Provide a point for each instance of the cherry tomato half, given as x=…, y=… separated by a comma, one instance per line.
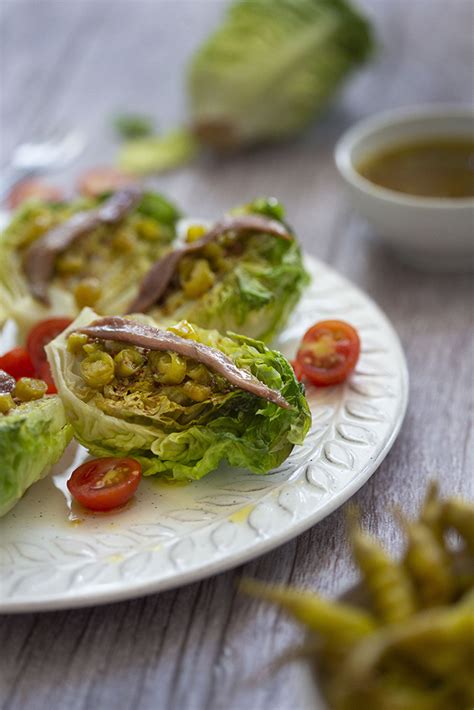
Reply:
x=40, y=335
x=17, y=363
x=103, y=484
x=28, y=189
x=328, y=353
x=97, y=181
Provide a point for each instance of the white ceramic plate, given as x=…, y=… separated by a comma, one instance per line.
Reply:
x=54, y=555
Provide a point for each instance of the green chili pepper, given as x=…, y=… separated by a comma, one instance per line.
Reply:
x=128, y=362
x=87, y=292
x=196, y=392
x=428, y=563
x=6, y=403
x=431, y=511
x=75, y=342
x=438, y=641
x=169, y=367
x=98, y=369
x=28, y=389
x=459, y=514
x=334, y=621
x=414, y=659
x=386, y=581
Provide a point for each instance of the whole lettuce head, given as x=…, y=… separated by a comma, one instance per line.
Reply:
x=253, y=283
x=182, y=426
x=113, y=256
x=271, y=66
x=33, y=437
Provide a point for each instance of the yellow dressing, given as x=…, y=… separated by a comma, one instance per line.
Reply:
x=439, y=167
x=241, y=515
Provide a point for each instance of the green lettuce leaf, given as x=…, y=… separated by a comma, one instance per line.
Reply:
x=155, y=154
x=32, y=438
x=118, y=266
x=271, y=66
x=184, y=441
x=252, y=291
x=133, y=125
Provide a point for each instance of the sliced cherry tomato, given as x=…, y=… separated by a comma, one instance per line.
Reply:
x=329, y=352
x=28, y=189
x=103, y=484
x=40, y=335
x=17, y=363
x=98, y=181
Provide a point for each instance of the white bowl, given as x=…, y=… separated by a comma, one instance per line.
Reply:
x=429, y=232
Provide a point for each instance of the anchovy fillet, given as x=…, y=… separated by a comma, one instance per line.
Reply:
x=41, y=255
x=150, y=338
x=158, y=278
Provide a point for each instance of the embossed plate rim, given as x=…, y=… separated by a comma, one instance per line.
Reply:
x=121, y=589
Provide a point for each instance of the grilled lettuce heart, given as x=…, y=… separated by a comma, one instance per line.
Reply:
x=167, y=430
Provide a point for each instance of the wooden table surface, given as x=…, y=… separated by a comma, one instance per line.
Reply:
x=203, y=647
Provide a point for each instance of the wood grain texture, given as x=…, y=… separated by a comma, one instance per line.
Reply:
x=75, y=62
